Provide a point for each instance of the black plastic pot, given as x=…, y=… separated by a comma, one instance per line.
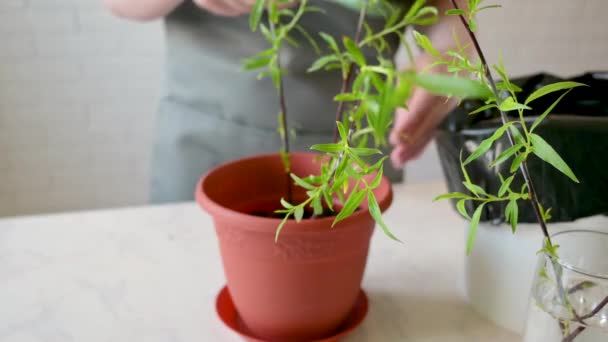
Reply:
x=577, y=129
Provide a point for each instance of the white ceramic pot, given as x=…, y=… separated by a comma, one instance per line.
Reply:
x=500, y=270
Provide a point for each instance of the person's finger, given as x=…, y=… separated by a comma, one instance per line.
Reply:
x=240, y=6
x=218, y=7
x=408, y=152
x=405, y=123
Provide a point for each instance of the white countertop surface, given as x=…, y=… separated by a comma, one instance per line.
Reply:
x=152, y=273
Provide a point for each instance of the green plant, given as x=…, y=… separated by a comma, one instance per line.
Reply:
x=524, y=144
x=371, y=91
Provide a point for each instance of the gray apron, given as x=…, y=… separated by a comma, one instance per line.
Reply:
x=212, y=111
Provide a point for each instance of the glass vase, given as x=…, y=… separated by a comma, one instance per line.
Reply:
x=569, y=299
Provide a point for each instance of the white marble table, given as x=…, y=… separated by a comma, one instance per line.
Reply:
x=152, y=273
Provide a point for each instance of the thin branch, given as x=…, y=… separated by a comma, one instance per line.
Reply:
x=346, y=81
x=531, y=190
x=505, y=119
x=283, y=114
x=574, y=334
x=597, y=309
x=580, y=286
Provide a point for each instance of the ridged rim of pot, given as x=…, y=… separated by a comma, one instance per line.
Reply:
x=384, y=195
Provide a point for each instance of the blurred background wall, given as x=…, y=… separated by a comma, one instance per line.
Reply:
x=78, y=92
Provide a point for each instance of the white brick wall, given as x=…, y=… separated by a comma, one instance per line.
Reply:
x=78, y=91
x=77, y=103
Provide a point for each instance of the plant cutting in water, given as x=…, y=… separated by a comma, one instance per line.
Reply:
x=524, y=143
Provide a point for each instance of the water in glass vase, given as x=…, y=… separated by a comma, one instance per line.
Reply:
x=569, y=300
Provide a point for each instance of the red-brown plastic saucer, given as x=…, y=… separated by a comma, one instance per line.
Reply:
x=228, y=314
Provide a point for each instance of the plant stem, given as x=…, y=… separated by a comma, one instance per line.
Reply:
x=283, y=115
x=573, y=334
x=505, y=120
x=285, y=137
x=531, y=190
x=347, y=81
x=597, y=309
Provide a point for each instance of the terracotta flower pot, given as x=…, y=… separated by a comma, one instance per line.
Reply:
x=302, y=287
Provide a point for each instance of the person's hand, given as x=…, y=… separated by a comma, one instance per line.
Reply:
x=415, y=128
x=227, y=8
x=232, y=8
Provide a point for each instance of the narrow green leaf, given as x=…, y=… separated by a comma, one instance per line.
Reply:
x=342, y=130
x=450, y=196
x=506, y=154
x=298, y=213
x=364, y=151
x=517, y=161
x=322, y=62
x=285, y=159
x=377, y=165
x=461, y=207
x=354, y=51
x=342, y=166
x=483, y=108
x=414, y=8
x=505, y=186
x=255, y=63
x=266, y=33
x=256, y=14
x=273, y=11
x=328, y=200
x=473, y=227
x=286, y=204
x=301, y=182
x=475, y=189
x=510, y=104
x=426, y=16
x=517, y=136
x=331, y=42
x=508, y=87
x=472, y=24
x=402, y=93
x=503, y=75
x=328, y=147
x=454, y=11
x=352, y=203
x=357, y=160
x=452, y=86
x=317, y=206
x=544, y=151
x=464, y=170
x=425, y=43
x=508, y=209
x=347, y=97
x=377, y=179
x=353, y=174
x=280, y=227
x=485, y=145
x=551, y=88
x=374, y=210
x=291, y=41
x=309, y=38
x=546, y=112
x=547, y=215
x=512, y=214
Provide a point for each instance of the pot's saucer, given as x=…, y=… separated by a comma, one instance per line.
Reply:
x=228, y=314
